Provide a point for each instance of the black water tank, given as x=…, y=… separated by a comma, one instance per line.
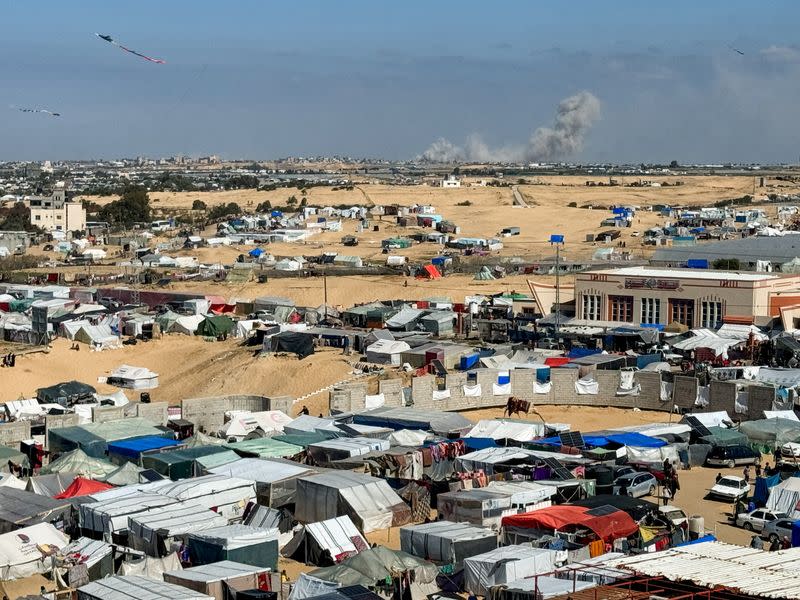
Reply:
x=603, y=475
x=144, y=397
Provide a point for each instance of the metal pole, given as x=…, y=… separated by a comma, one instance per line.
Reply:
x=325, y=291
x=558, y=295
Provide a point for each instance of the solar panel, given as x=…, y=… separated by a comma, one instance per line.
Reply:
x=559, y=470
x=697, y=426
x=573, y=439
x=601, y=511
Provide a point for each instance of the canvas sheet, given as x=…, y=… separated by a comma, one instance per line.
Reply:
x=472, y=391
x=542, y=388
x=374, y=401
x=501, y=389
x=666, y=391
x=587, y=385
x=441, y=394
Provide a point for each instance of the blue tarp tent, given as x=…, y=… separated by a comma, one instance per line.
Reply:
x=697, y=263
x=469, y=361
x=622, y=438
x=134, y=448
x=256, y=252
x=581, y=352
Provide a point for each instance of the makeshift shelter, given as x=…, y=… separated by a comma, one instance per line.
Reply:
x=19, y=508
x=485, y=274
x=369, y=502
x=378, y=564
x=81, y=486
x=66, y=394
x=7, y=479
x=97, y=556
x=12, y=455
x=154, y=531
x=21, y=551
x=188, y=462
x=291, y=342
x=326, y=542
x=446, y=542
x=430, y=272
x=264, y=448
x=240, y=543
x=485, y=507
x=276, y=481
x=785, y=497
x=119, y=587
x=504, y=565
x=186, y=325
x=215, y=326
x=93, y=438
x=51, y=484
x=442, y=423
x=226, y=495
x=127, y=474
x=132, y=450
x=134, y=378
x=109, y=517
x=336, y=449
x=386, y=352
x=220, y=580
x=607, y=523
x=242, y=423
x=100, y=337
x=771, y=434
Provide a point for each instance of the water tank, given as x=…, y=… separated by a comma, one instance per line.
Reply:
x=603, y=475
x=697, y=527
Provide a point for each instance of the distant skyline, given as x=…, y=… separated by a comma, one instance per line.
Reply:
x=261, y=80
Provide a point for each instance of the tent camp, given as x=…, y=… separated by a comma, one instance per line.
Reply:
x=155, y=530
x=369, y=502
x=330, y=450
x=446, y=542
x=134, y=378
x=276, y=481
x=120, y=587
x=240, y=543
x=20, y=554
x=19, y=508
x=326, y=542
x=291, y=342
x=188, y=462
x=226, y=495
x=504, y=565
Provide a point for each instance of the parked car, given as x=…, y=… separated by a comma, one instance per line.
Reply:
x=111, y=303
x=730, y=488
x=777, y=530
x=623, y=470
x=756, y=520
x=732, y=456
x=790, y=450
x=674, y=514
x=636, y=485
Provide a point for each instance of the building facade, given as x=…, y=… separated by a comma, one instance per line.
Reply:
x=56, y=213
x=691, y=297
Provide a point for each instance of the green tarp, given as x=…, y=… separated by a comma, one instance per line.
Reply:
x=15, y=456
x=215, y=326
x=305, y=439
x=79, y=462
x=180, y=464
x=93, y=438
x=722, y=436
x=265, y=448
x=377, y=564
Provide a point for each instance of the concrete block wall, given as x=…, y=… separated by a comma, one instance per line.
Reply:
x=155, y=412
x=760, y=398
x=722, y=396
x=11, y=434
x=649, y=397
x=347, y=397
x=102, y=414
x=282, y=403
x=392, y=390
x=684, y=391
x=208, y=414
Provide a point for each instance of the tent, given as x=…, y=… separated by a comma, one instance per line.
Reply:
x=119, y=587
x=215, y=326
x=442, y=423
x=330, y=450
x=276, y=481
x=220, y=580
x=127, y=474
x=485, y=507
x=134, y=378
x=294, y=343
x=376, y=565
x=20, y=554
x=201, y=439
x=100, y=337
x=226, y=495
x=81, y=486
x=785, y=497
x=264, y=448
x=98, y=556
x=188, y=462
x=186, y=324
x=504, y=565
x=369, y=502
x=770, y=434
x=19, y=508
x=132, y=449
x=326, y=542
x=93, y=438
x=485, y=274
x=240, y=543
x=110, y=516
x=386, y=352
x=446, y=542
x=155, y=530
x=431, y=272
x=65, y=394
x=244, y=422
x=7, y=479
x=50, y=485
x=607, y=525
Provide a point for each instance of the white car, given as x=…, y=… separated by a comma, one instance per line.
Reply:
x=756, y=520
x=674, y=514
x=730, y=488
x=790, y=450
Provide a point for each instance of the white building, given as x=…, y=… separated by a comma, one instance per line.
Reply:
x=56, y=213
x=451, y=181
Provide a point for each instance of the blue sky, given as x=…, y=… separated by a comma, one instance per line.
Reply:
x=268, y=79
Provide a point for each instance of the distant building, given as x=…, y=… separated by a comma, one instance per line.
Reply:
x=56, y=213
x=451, y=181
x=691, y=297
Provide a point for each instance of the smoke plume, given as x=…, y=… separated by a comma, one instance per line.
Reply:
x=574, y=118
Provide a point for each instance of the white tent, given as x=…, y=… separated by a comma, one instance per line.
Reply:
x=227, y=495
x=504, y=565
x=785, y=496
x=275, y=479
x=340, y=448
x=386, y=352
x=69, y=329
x=187, y=324
x=445, y=541
x=498, y=429
x=134, y=378
x=95, y=253
x=338, y=537
x=111, y=516
x=151, y=531
x=122, y=587
x=100, y=337
x=20, y=554
x=243, y=422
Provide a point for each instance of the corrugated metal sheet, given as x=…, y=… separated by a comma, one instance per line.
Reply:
x=712, y=564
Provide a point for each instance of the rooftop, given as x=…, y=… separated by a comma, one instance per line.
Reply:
x=687, y=273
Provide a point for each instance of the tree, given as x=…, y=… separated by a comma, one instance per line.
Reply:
x=132, y=207
x=726, y=264
x=16, y=218
x=292, y=200
x=674, y=164
x=223, y=210
x=263, y=207
x=199, y=205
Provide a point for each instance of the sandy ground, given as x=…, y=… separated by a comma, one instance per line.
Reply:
x=187, y=367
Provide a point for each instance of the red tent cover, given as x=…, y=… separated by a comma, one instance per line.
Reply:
x=432, y=271
x=608, y=527
x=81, y=486
x=556, y=361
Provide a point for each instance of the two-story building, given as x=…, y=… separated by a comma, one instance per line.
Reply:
x=56, y=213
x=692, y=297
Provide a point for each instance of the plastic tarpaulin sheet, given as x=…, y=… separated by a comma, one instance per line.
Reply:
x=627, y=384
x=446, y=542
x=501, y=389
x=613, y=525
x=472, y=391
x=587, y=385
x=652, y=455
x=498, y=429
x=542, y=388
x=19, y=550
x=374, y=401
x=307, y=586
x=441, y=394
x=504, y=565
x=785, y=497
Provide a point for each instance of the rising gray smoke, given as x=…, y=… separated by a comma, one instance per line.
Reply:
x=574, y=117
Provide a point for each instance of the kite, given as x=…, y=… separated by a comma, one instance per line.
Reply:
x=111, y=41
x=736, y=50
x=37, y=110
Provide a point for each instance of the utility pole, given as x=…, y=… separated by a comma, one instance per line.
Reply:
x=325, y=292
x=557, y=241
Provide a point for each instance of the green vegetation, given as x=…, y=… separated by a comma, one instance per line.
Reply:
x=132, y=207
x=17, y=217
x=224, y=210
x=726, y=264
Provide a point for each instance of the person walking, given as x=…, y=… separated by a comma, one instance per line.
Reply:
x=746, y=474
